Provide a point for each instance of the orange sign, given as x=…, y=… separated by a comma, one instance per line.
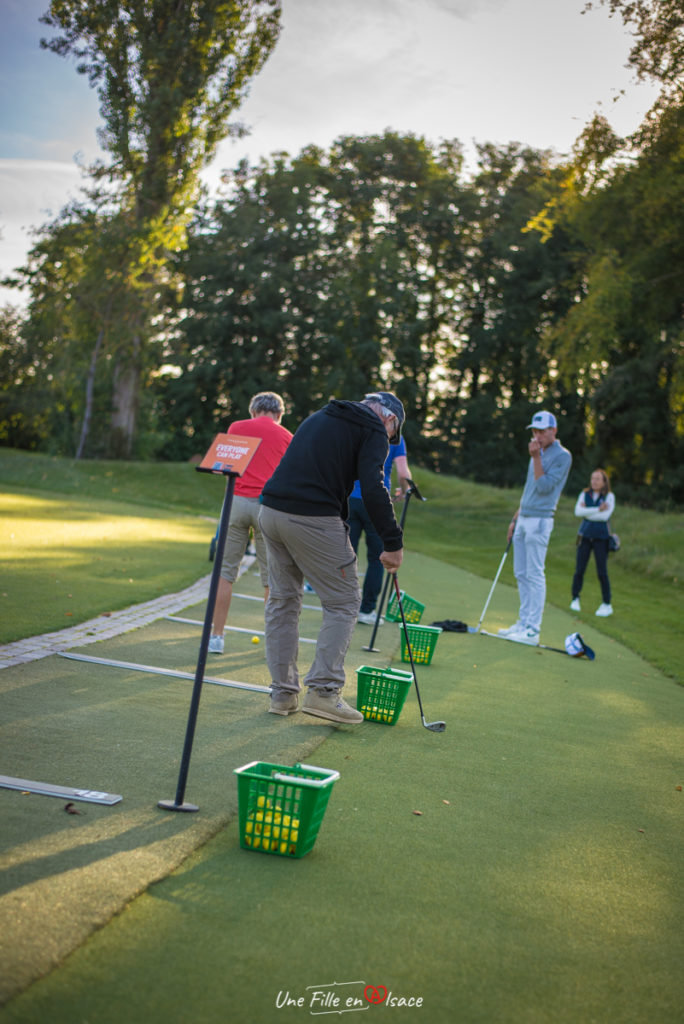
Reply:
x=229, y=454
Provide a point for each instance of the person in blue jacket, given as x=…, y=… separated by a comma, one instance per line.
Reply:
x=595, y=505
x=360, y=522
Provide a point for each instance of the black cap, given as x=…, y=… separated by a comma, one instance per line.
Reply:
x=393, y=405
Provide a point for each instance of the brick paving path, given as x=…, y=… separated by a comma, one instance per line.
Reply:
x=104, y=626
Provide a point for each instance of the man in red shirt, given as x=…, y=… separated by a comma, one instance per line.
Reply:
x=266, y=410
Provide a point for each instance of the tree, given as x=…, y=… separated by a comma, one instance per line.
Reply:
x=326, y=274
x=76, y=274
x=24, y=397
x=623, y=337
x=170, y=74
x=658, y=49
x=513, y=287
x=620, y=203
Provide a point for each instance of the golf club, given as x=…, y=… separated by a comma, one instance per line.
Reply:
x=433, y=726
x=586, y=650
x=496, y=580
x=412, y=489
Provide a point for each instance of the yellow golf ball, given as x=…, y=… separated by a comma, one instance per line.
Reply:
x=255, y=639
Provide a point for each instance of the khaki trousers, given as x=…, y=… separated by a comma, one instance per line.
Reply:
x=244, y=514
x=315, y=548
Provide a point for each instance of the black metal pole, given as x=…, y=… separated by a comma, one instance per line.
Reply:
x=412, y=489
x=178, y=804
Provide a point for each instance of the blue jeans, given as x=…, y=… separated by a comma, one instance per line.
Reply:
x=360, y=522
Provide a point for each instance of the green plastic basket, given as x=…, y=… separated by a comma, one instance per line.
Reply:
x=381, y=693
x=423, y=640
x=280, y=807
x=413, y=610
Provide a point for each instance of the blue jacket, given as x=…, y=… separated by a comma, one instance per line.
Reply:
x=394, y=450
x=540, y=497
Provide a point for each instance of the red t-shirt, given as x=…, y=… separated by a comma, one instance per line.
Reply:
x=275, y=439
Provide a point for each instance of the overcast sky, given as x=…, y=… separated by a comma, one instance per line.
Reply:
x=530, y=71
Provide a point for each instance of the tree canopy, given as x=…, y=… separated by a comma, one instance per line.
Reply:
x=476, y=293
x=169, y=74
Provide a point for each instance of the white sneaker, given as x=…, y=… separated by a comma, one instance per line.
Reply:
x=575, y=604
x=515, y=628
x=604, y=610
x=525, y=636
x=368, y=618
x=216, y=645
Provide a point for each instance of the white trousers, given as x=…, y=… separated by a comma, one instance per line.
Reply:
x=530, y=542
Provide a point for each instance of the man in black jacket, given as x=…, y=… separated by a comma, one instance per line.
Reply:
x=303, y=521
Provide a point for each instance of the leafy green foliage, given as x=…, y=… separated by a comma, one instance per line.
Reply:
x=461, y=523
x=658, y=49
x=169, y=77
x=324, y=275
x=621, y=339
x=378, y=263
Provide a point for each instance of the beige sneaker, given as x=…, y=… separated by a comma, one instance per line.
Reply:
x=283, y=703
x=330, y=706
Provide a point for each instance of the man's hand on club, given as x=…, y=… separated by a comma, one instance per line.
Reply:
x=391, y=560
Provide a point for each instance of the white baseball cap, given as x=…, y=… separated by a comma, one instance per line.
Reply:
x=542, y=420
x=576, y=647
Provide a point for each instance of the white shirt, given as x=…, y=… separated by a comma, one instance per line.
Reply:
x=596, y=515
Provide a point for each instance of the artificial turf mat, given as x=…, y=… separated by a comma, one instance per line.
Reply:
x=541, y=882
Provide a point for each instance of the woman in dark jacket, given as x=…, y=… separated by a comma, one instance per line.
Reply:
x=595, y=505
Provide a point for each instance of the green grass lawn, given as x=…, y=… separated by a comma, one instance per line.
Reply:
x=85, y=537
x=540, y=882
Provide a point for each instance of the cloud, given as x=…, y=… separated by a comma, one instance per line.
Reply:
x=32, y=193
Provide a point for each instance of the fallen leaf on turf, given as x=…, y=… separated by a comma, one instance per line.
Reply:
x=641, y=830
x=679, y=788
x=70, y=809
x=417, y=812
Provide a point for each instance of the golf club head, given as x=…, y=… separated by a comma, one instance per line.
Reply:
x=435, y=726
x=414, y=490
